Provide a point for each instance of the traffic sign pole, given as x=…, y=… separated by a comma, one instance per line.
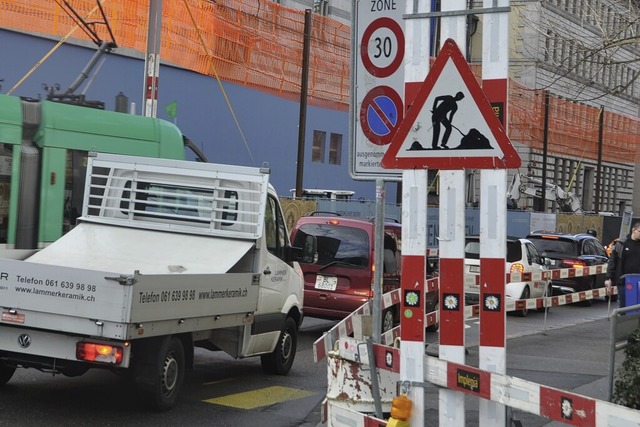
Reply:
x=452, y=241
x=414, y=273
x=495, y=59
x=493, y=237
x=493, y=215
x=414, y=228
x=451, y=246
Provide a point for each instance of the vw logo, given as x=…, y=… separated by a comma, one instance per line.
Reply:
x=24, y=340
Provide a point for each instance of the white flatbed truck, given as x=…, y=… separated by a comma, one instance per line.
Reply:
x=167, y=256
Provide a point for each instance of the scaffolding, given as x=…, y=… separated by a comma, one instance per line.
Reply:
x=259, y=45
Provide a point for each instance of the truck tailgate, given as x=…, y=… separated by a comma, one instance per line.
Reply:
x=54, y=297
x=175, y=276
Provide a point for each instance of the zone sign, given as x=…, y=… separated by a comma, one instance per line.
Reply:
x=378, y=82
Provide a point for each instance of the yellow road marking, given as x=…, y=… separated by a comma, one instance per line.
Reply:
x=261, y=397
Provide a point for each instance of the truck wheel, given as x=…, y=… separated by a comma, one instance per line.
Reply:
x=161, y=372
x=279, y=361
x=6, y=372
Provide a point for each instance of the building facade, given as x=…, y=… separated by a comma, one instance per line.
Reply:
x=241, y=100
x=583, y=53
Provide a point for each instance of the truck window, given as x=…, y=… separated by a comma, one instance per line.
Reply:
x=158, y=200
x=275, y=230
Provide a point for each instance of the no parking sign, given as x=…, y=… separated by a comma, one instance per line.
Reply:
x=378, y=82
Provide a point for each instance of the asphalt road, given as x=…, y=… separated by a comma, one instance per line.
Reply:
x=220, y=391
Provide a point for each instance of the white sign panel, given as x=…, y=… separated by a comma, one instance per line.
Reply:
x=378, y=85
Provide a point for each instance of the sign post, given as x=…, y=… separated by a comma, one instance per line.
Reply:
x=414, y=229
x=480, y=143
x=493, y=215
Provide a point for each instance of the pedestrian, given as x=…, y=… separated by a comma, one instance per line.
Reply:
x=444, y=108
x=624, y=259
x=593, y=232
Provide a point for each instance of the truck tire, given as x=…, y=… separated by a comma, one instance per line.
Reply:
x=6, y=372
x=160, y=372
x=280, y=360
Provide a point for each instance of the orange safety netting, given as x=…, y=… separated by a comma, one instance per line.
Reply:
x=573, y=128
x=259, y=44
x=251, y=43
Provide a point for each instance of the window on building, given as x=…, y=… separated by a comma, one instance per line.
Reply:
x=317, y=150
x=335, y=149
x=548, y=46
x=321, y=7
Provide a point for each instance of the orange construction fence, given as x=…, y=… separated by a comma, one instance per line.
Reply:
x=259, y=44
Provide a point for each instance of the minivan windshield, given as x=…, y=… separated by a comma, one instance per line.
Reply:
x=337, y=245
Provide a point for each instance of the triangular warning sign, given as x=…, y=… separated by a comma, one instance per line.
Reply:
x=451, y=124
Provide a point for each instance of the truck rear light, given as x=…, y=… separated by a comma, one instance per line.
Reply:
x=103, y=353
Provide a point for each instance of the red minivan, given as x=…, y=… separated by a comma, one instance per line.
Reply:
x=341, y=279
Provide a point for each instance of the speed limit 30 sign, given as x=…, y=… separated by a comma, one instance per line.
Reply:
x=378, y=82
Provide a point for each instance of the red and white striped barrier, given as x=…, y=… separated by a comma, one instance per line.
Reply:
x=552, y=403
x=345, y=327
x=548, y=402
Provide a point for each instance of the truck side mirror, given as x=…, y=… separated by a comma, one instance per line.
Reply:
x=307, y=254
x=310, y=250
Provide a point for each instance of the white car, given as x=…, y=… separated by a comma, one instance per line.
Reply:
x=522, y=257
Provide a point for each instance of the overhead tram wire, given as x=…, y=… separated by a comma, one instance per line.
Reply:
x=52, y=50
x=215, y=72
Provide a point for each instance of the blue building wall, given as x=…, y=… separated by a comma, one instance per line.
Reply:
x=269, y=124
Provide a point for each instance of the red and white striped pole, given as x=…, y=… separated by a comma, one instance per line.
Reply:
x=451, y=244
x=152, y=60
x=493, y=215
x=414, y=224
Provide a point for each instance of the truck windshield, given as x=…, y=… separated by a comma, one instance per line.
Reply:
x=337, y=245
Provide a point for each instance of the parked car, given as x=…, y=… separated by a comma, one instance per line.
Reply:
x=522, y=257
x=572, y=251
x=341, y=279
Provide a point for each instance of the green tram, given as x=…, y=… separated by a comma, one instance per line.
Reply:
x=43, y=156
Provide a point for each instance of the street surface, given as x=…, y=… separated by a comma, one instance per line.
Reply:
x=220, y=391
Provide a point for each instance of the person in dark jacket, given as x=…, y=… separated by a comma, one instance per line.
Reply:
x=624, y=259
